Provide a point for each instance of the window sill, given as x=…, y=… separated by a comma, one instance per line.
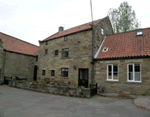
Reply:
x=65, y=77
x=133, y=82
x=65, y=57
x=112, y=81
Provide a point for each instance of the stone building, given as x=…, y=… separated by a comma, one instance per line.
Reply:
x=123, y=62
x=67, y=55
x=17, y=58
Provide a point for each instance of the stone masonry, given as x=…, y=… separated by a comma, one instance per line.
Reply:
x=79, y=45
x=114, y=86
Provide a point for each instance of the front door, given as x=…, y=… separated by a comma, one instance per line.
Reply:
x=35, y=73
x=83, y=77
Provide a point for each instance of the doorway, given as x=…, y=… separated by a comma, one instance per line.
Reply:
x=35, y=73
x=83, y=78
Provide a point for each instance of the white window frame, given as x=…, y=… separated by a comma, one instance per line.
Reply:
x=112, y=79
x=133, y=64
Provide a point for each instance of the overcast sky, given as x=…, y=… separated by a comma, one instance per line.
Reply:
x=33, y=20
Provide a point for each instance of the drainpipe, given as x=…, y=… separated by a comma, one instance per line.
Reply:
x=92, y=57
x=3, y=71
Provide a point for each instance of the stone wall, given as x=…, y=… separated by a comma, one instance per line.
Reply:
x=98, y=37
x=114, y=86
x=66, y=91
x=79, y=45
x=19, y=65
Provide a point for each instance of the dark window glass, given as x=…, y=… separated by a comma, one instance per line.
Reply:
x=137, y=68
x=46, y=43
x=64, y=72
x=46, y=51
x=115, y=68
x=56, y=52
x=65, y=52
x=130, y=68
x=43, y=72
x=109, y=68
x=52, y=72
x=65, y=38
x=36, y=58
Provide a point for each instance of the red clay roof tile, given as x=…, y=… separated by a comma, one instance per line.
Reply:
x=72, y=30
x=126, y=45
x=16, y=45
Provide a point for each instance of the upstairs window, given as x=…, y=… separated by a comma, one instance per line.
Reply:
x=64, y=72
x=112, y=72
x=46, y=43
x=65, y=52
x=46, y=51
x=56, y=52
x=52, y=72
x=43, y=72
x=102, y=31
x=133, y=73
x=36, y=58
x=65, y=38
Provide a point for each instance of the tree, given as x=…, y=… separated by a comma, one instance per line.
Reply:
x=123, y=19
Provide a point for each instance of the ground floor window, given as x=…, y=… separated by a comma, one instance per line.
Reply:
x=52, y=72
x=133, y=73
x=43, y=72
x=112, y=72
x=64, y=72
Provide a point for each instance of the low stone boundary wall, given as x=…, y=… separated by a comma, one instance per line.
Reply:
x=66, y=91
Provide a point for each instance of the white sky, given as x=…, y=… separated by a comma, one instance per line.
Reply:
x=33, y=20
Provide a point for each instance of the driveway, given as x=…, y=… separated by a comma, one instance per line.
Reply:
x=22, y=103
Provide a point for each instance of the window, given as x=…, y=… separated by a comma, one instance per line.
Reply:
x=65, y=38
x=139, y=33
x=46, y=51
x=105, y=49
x=36, y=58
x=52, y=72
x=112, y=72
x=46, y=43
x=43, y=72
x=65, y=52
x=133, y=73
x=102, y=31
x=56, y=52
x=64, y=72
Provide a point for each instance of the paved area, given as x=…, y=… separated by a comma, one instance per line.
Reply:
x=22, y=103
x=143, y=101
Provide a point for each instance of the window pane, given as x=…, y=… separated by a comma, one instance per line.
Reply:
x=115, y=77
x=130, y=75
x=130, y=68
x=115, y=68
x=137, y=76
x=109, y=68
x=137, y=68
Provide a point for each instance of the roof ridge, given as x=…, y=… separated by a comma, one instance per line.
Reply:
x=129, y=31
x=46, y=39
x=18, y=39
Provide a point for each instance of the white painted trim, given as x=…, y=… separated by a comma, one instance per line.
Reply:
x=112, y=72
x=100, y=48
x=133, y=64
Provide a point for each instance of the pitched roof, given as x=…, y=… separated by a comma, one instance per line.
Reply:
x=16, y=45
x=126, y=45
x=72, y=30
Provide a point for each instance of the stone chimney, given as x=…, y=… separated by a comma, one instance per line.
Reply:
x=61, y=29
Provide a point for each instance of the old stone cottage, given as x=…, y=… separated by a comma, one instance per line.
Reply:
x=67, y=55
x=123, y=62
x=17, y=58
x=115, y=61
